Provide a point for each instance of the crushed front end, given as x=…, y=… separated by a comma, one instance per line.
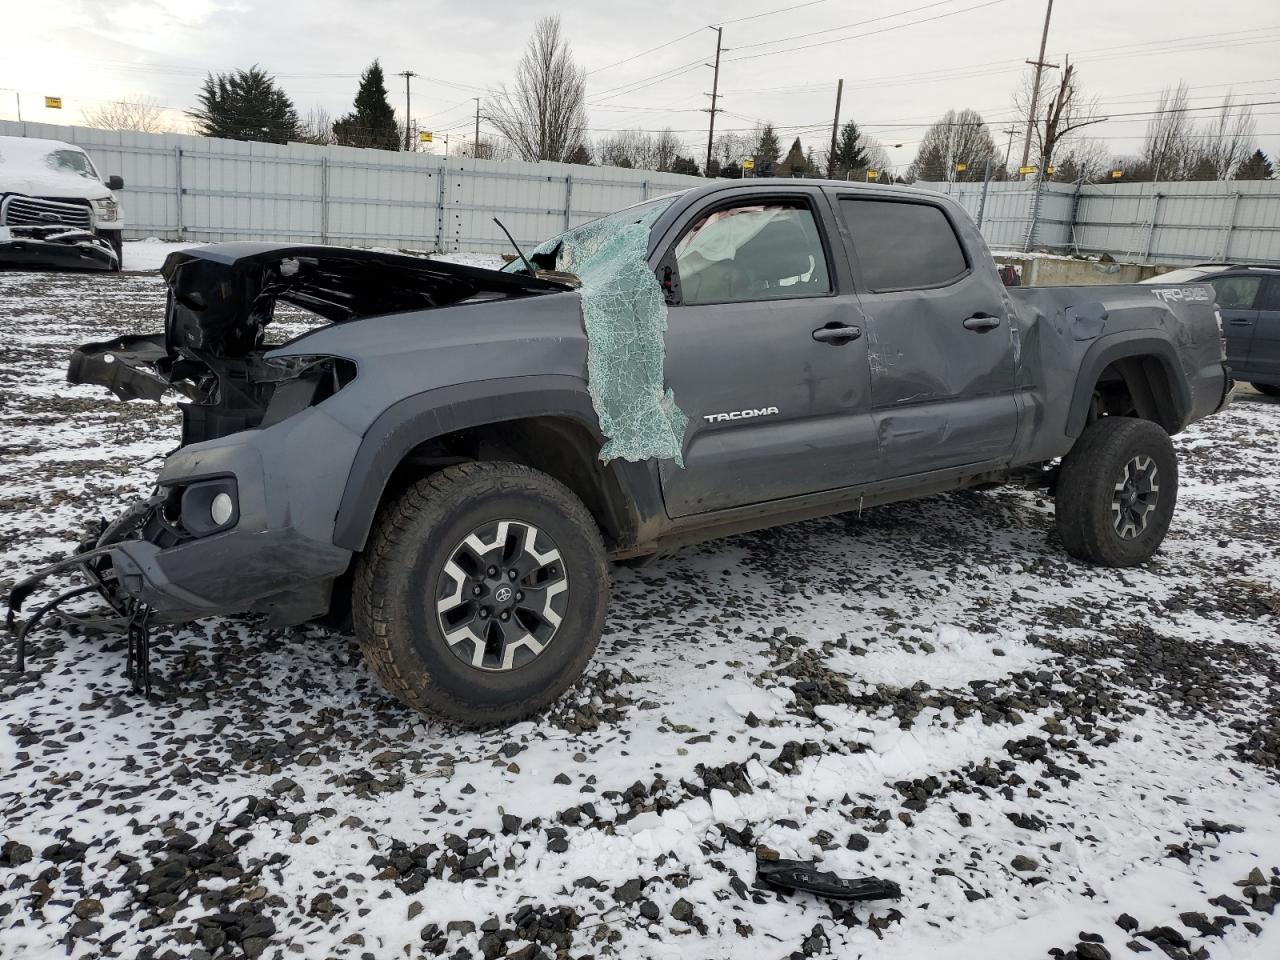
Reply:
x=241, y=519
x=57, y=245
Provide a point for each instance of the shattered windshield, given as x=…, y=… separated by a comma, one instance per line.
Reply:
x=546, y=256
x=625, y=317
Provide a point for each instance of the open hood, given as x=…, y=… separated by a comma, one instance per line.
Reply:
x=223, y=295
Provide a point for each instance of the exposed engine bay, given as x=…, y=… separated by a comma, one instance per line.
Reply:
x=214, y=352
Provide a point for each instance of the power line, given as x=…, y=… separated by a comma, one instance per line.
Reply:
x=869, y=33
x=843, y=26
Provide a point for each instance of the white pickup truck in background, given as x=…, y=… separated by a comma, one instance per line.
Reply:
x=56, y=210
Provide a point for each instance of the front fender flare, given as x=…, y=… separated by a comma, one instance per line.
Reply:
x=433, y=413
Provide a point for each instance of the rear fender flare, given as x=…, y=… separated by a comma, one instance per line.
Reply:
x=1120, y=346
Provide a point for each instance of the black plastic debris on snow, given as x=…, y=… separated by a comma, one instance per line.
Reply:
x=805, y=877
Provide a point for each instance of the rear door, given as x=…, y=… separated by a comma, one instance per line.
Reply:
x=765, y=353
x=1264, y=349
x=1237, y=296
x=940, y=344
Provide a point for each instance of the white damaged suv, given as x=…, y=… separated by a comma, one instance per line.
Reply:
x=55, y=208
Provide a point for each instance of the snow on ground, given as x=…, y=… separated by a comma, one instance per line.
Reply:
x=149, y=254
x=1035, y=750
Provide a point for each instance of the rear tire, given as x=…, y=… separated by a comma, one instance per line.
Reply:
x=426, y=580
x=1270, y=389
x=1116, y=492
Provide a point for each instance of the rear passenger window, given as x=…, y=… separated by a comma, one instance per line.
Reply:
x=1236, y=293
x=764, y=251
x=901, y=246
x=1270, y=298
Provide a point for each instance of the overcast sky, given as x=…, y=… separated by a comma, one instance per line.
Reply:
x=904, y=62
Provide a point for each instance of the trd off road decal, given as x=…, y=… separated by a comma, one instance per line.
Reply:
x=1182, y=294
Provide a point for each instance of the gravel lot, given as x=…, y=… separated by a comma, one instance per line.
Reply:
x=1050, y=759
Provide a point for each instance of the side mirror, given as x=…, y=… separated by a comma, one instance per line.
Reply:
x=115, y=182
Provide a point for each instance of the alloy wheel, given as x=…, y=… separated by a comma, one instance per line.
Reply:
x=501, y=595
x=1135, y=496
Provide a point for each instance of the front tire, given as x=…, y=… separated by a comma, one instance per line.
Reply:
x=482, y=592
x=1116, y=492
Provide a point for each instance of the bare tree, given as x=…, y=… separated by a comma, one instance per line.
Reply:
x=487, y=148
x=545, y=116
x=731, y=148
x=666, y=147
x=623, y=148
x=1064, y=109
x=137, y=113
x=640, y=149
x=1168, y=152
x=1227, y=139
x=1086, y=161
x=959, y=137
x=316, y=127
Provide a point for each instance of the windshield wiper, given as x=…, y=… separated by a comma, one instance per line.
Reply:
x=527, y=265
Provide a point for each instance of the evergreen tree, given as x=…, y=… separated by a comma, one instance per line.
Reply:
x=373, y=122
x=793, y=164
x=850, y=154
x=1256, y=167
x=581, y=155
x=685, y=165
x=1202, y=169
x=245, y=105
x=767, y=152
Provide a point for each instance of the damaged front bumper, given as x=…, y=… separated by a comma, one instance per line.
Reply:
x=215, y=538
x=56, y=246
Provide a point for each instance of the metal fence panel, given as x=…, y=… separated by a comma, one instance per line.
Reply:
x=1167, y=222
x=195, y=188
x=184, y=187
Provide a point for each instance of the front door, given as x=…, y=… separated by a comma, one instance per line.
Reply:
x=940, y=347
x=766, y=355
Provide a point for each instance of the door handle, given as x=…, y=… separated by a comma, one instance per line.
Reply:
x=837, y=334
x=981, y=323
x=1240, y=321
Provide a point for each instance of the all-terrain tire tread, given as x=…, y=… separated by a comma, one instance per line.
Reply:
x=1085, y=530
x=389, y=542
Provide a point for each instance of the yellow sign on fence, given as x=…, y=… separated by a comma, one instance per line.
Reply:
x=961, y=167
x=873, y=174
x=1026, y=170
x=424, y=136
x=53, y=103
x=1117, y=174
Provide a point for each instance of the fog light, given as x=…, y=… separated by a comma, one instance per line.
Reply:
x=220, y=509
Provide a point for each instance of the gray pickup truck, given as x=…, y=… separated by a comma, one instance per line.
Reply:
x=446, y=460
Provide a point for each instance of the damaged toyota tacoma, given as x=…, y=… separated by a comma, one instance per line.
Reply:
x=455, y=458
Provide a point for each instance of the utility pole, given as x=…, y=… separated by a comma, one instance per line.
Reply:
x=835, y=127
x=1008, y=147
x=715, y=92
x=1039, y=64
x=18, y=95
x=475, y=150
x=406, y=74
